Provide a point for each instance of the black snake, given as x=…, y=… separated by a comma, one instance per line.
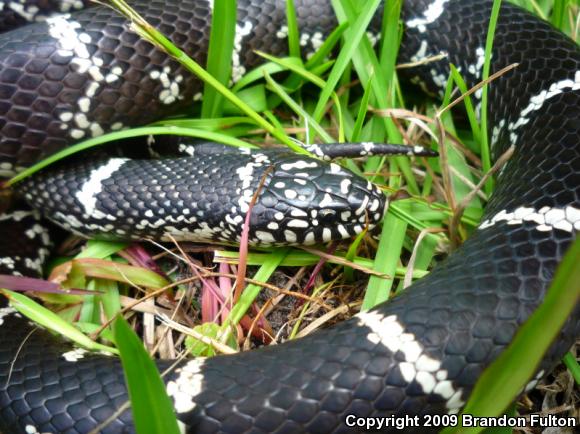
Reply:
x=77, y=76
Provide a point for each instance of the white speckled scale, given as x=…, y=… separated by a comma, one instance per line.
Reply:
x=206, y=199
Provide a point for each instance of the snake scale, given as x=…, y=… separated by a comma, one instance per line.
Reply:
x=80, y=75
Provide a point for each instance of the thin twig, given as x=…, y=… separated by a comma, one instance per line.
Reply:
x=467, y=182
x=411, y=264
x=425, y=61
x=327, y=317
x=218, y=346
x=242, y=264
x=477, y=87
x=341, y=261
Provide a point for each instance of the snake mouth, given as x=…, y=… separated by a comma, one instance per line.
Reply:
x=308, y=201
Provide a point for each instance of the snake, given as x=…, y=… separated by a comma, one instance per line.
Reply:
x=75, y=76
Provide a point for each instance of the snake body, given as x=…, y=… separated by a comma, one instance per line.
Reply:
x=421, y=353
x=205, y=198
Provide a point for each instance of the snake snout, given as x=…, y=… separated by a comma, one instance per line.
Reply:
x=308, y=201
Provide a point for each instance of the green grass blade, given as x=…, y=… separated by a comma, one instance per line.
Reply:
x=251, y=291
x=313, y=78
x=300, y=259
x=391, y=31
x=573, y=366
x=558, y=18
x=362, y=112
x=366, y=63
x=357, y=31
x=386, y=261
x=151, y=407
x=485, y=151
x=90, y=308
x=219, y=56
x=148, y=32
x=401, y=213
x=215, y=124
x=469, y=109
x=111, y=299
x=304, y=310
x=91, y=329
x=350, y=255
x=298, y=110
x=512, y=411
x=327, y=46
x=293, y=31
x=501, y=382
x=257, y=73
x=457, y=161
x=254, y=97
x=135, y=132
x=52, y=321
x=100, y=249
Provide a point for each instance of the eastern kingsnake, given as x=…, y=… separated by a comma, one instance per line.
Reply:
x=73, y=77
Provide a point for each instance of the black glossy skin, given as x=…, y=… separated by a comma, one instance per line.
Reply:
x=34, y=74
x=205, y=198
x=460, y=317
x=14, y=14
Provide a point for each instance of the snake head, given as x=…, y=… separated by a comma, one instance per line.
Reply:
x=307, y=201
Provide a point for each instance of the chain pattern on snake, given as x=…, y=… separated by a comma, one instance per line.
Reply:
x=77, y=76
